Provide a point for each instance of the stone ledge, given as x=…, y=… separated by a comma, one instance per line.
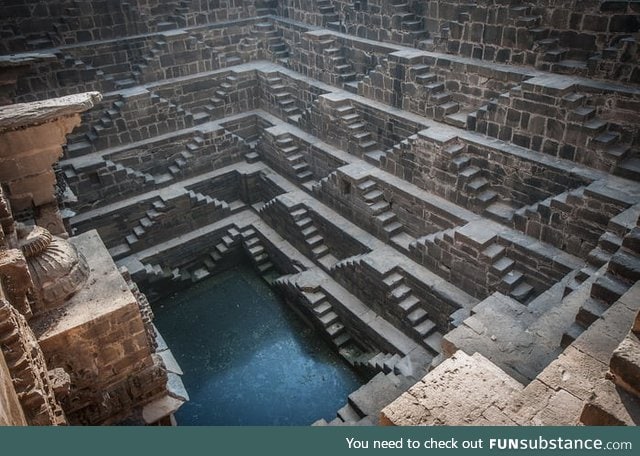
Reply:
x=13, y=117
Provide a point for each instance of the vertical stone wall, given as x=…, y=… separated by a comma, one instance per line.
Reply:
x=36, y=24
x=590, y=38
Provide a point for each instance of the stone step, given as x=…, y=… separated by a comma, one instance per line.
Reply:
x=373, y=196
x=320, y=251
x=394, y=279
x=386, y=217
x=409, y=303
x=400, y=292
x=440, y=98
x=416, y=316
x=433, y=342
x=625, y=265
x=348, y=414
x=342, y=339
x=503, y=265
x=425, y=328
x=477, y=185
x=608, y=288
x=335, y=330
x=328, y=319
x=469, y=173
x=512, y=279
x=379, y=207
x=390, y=362
x=314, y=240
x=522, y=292
x=590, y=311
x=393, y=228
x=366, y=185
x=606, y=139
x=304, y=222
x=629, y=168
x=322, y=309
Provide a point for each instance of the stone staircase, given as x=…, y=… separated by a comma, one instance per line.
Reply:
x=403, y=19
x=364, y=405
x=150, y=62
x=355, y=126
x=500, y=272
x=330, y=18
x=151, y=217
x=513, y=282
x=255, y=248
x=322, y=312
x=335, y=62
x=312, y=238
x=380, y=209
x=616, y=277
x=287, y=147
x=330, y=322
x=274, y=44
x=220, y=98
x=412, y=313
x=437, y=96
x=603, y=136
x=475, y=191
x=82, y=142
x=285, y=101
x=181, y=163
x=127, y=173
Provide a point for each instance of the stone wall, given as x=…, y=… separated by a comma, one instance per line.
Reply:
x=588, y=123
x=573, y=221
x=281, y=214
x=346, y=191
x=382, y=20
x=34, y=24
x=334, y=59
x=357, y=128
x=593, y=38
x=152, y=165
x=435, y=85
x=113, y=65
x=476, y=175
x=482, y=257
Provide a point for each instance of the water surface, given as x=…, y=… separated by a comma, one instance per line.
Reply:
x=247, y=358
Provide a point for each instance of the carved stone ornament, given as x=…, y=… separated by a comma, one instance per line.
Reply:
x=57, y=269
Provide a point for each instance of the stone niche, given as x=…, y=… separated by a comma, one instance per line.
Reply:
x=74, y=329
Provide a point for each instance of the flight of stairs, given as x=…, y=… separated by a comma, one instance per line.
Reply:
x=285, y=101
x=408, y=305
x=295, y=159
x=258, y=254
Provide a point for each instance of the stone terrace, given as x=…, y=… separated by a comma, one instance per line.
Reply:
x=448, y=191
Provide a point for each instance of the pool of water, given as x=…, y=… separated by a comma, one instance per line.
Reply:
x=247, y=358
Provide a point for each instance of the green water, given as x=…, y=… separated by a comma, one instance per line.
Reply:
x=247, y=358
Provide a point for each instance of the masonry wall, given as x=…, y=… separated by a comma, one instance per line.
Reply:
x=543, y=34
x=443, y=167
x=35, y=24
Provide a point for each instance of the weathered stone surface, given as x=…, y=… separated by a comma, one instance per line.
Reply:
x=22, y=115
x=460, y=390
